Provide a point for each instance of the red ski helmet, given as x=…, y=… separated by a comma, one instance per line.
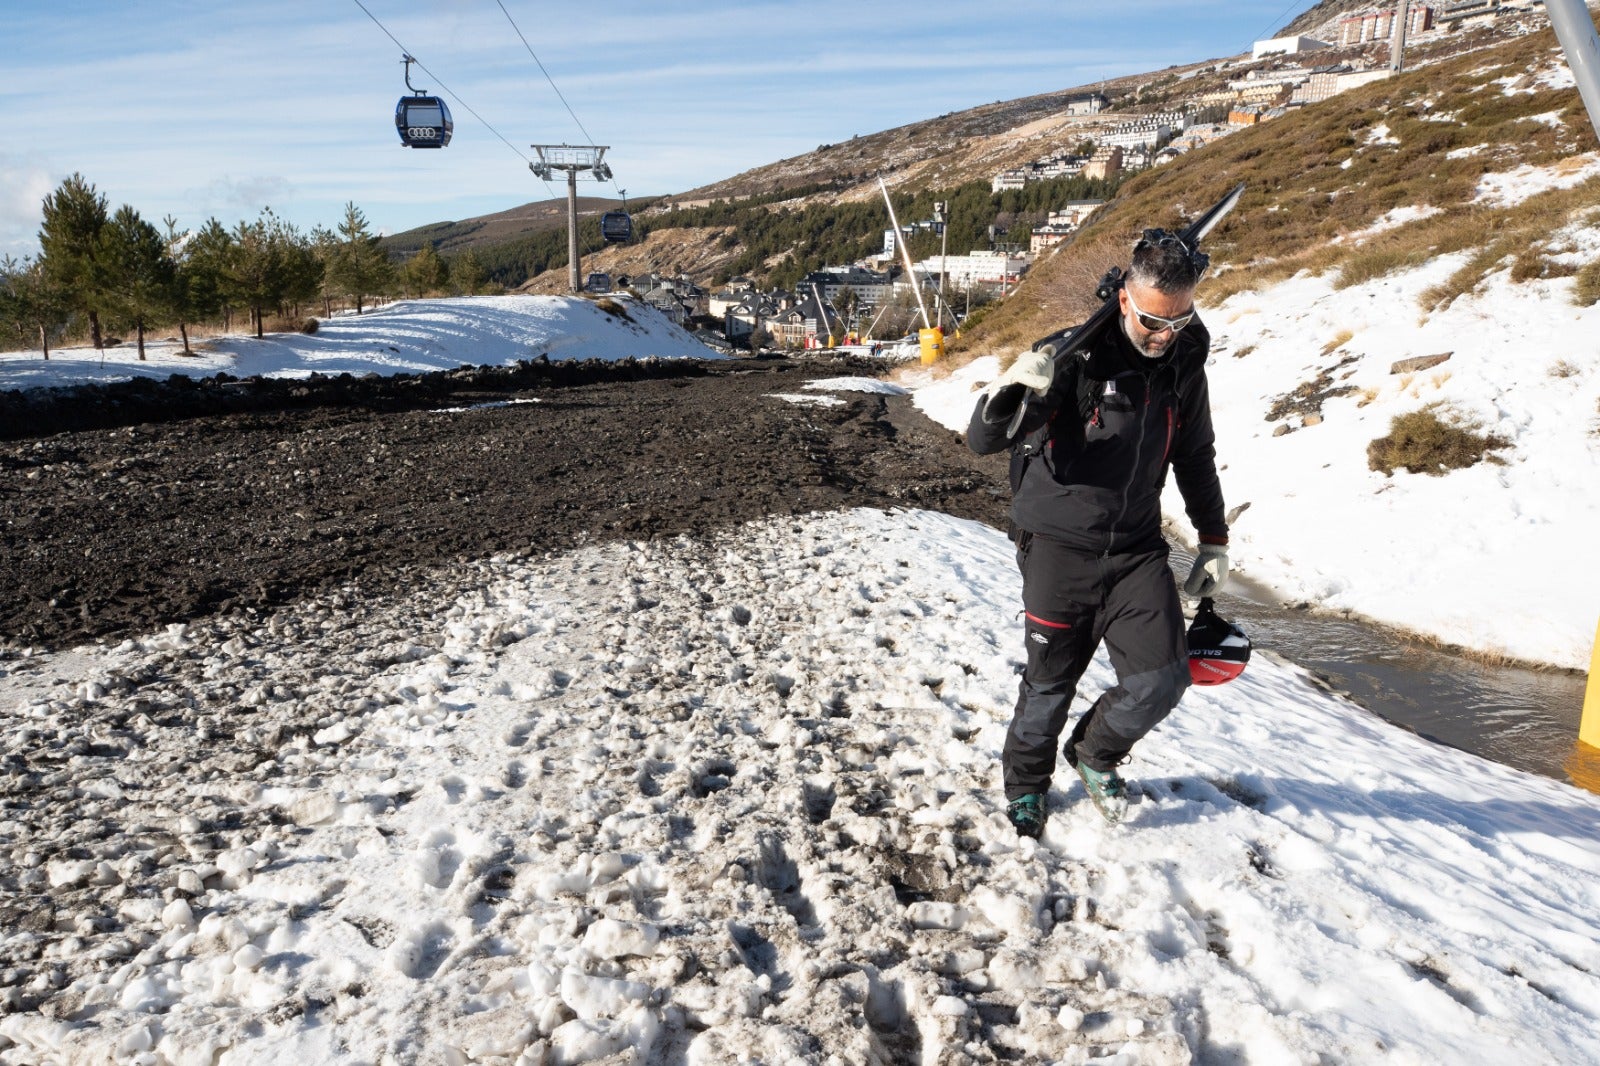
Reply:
x=1218, y=649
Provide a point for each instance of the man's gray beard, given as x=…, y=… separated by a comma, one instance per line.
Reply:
x=1140, y=348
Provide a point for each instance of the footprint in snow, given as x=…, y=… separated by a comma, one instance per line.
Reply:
x=455, y=789
x=419, y=953
x=438, y=859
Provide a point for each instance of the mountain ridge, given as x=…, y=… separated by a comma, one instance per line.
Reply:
x=912, y=144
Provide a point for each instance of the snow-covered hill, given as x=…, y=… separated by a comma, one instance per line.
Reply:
x=736, y=799
x=1496, y=557
x=408, y=337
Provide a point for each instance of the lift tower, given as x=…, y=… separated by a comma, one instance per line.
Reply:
x=571, y=158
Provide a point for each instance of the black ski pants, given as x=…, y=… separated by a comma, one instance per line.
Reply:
x=1073, y=601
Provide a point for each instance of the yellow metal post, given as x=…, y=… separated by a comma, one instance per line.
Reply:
x=1589, y=725
x=1583, y=767
x=932, y=343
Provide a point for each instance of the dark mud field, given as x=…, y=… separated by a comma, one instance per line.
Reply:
x=124, y=508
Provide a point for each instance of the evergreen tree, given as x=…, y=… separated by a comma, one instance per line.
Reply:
x=200, y=259
x=361, y=268
x=10, y=299
x=30, y=304
x=140, y=274
x=424, y=272
x=70, y=236
x=466, y=275
x=255, y=273
x=325, y=246
x=302, y=267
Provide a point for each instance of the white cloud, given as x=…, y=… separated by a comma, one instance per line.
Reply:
x=23, y=186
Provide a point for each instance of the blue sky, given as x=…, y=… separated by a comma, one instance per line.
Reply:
x=199, y=109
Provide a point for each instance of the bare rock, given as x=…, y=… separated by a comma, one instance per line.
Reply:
x=1419, y=363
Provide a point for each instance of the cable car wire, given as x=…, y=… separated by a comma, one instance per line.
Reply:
x=545, y=72
x=615, y=226
x=453, y=94
x=587, y=135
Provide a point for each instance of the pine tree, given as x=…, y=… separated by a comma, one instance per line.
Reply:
x=140, y=275
x=325, y=246
x=424, y=272
x=70, y=236
x=361, y=268
x=10, y=299
x=200, y=258
x=30, y=303
x=254, y=276
x=466, y=274
x=302, y=268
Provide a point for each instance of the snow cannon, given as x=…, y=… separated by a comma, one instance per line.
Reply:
x=1218, y=649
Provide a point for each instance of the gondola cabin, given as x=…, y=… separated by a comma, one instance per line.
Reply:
x=616, y=227
x=423, y=121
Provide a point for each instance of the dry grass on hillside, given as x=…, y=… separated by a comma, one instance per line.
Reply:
x=1329, y=170
x=1432, y=441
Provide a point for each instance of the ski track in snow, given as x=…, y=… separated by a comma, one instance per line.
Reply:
x=712, y=801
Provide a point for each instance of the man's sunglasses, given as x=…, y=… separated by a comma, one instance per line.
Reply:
x=1155, y=323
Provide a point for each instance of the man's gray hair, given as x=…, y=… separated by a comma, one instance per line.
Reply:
x=1166, y=264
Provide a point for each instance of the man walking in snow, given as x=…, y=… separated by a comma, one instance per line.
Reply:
x=1088, y=461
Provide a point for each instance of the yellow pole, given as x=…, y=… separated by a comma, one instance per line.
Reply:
x=1589, y=725
x=1583, y=767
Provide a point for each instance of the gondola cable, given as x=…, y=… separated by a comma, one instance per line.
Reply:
x=453, y=95
x=546, y=73
x=616, y=226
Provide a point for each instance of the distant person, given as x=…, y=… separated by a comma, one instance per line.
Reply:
x=1088, y=461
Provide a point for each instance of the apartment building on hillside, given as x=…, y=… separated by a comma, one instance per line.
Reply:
x=1369, y=26
x=1106, y=163
x=978, y=268
x=1087, y=103
x=871, y=288
x=1286, y=46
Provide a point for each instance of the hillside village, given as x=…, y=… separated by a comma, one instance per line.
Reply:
x=1104, y=138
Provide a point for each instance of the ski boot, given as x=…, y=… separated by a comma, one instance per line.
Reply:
x=1106, y=789
x=1027, y=814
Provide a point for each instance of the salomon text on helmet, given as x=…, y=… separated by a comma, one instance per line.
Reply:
x=1218, y=649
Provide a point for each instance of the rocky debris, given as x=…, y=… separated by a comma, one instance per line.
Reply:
x=31, y=413
x=1307, y=400
x=301, y=486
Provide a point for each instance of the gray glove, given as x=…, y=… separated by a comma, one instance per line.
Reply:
x=1034, y=370
x=1031, y=370
x=1209, y=572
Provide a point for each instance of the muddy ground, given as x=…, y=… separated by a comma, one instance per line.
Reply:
x=124, y=508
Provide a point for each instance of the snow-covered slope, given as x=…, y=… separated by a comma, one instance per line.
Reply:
x=408, y=337
x=1493, y=557
x=703, y=801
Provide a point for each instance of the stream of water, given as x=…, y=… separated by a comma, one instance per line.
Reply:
x=1520, y=717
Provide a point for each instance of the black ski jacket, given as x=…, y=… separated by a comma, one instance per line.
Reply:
x=1090, y=459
